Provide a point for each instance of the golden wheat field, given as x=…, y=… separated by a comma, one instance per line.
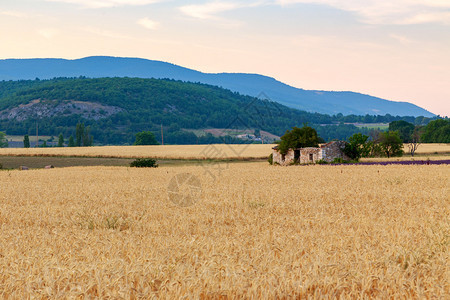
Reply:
x=252, y=231
x=222, y=151
x=406, y=157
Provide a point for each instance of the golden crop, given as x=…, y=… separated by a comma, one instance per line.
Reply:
x=254, y=231
x=221, y=151
x=430, y=149
x=406, y=157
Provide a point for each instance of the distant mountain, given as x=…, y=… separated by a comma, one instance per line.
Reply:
x=247, y=84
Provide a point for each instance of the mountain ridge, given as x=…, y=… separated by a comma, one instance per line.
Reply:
x=256, y=85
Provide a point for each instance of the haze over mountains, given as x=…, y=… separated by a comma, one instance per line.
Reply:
x=247, y=84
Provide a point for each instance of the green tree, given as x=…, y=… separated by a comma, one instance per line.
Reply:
x=26, y=141
x=79, y=132
x=298, y=138
x=71, y=142
x=437, y=131
x=87, y=138
x=145, y=138
x=3, y=140
x=391, y=144
x=358, y=146
x=60, y=140
x=404, y=129
x=83, y=136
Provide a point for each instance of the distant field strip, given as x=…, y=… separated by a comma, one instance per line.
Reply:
x=255, y=232
x=418, y=158
x=431, y=149
x=407, y=162
x=217, y=152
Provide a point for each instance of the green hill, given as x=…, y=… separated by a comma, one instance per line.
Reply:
x=117, y=108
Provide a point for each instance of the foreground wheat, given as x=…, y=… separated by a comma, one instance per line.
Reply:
x=256, y=231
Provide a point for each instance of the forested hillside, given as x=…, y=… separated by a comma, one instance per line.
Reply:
x=117, y=108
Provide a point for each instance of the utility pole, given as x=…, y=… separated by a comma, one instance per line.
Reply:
x=37, y=135
x=162, y=135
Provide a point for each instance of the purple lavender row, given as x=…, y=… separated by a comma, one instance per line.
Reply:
x=408, y=162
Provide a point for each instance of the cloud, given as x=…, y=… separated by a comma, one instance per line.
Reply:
x=388, y=11
x=104, y=33
x=210, y=10
x=400, y=38
x=149, y=24
x=107, y=3
x=47, y=33
x=15, y=14
x=436, y=17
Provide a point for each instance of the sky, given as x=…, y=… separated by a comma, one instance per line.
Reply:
x=397, y=49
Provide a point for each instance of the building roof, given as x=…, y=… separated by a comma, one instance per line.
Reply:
x=320, y=147
x=327, y=144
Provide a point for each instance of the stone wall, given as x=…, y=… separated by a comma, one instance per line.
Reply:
x=327, y=152
x=288, y=158
x=310, y=155
x=334, y=150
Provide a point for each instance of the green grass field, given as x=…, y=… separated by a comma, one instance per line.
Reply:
x=19, y=138
x=380, y=126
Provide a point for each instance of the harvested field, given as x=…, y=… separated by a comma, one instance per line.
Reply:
x=254, y=231
x=37, y=162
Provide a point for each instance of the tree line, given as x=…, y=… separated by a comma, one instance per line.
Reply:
x=378, y=143
x=385, y=144
x=83, y=138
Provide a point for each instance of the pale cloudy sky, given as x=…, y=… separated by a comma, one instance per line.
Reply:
x=394, y=49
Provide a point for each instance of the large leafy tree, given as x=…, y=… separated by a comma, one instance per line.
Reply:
x=299, y=138
x=391, y=144
x=146, y=138
x=405, y=129
x=358, y=146
x=437, y=131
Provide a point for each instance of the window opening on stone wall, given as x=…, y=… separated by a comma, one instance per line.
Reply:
x=283, y=157
x=311, y=156
x=296, y=155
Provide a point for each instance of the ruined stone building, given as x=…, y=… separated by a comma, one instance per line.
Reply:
x=327, y=152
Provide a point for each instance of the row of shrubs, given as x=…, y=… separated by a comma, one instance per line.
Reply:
x=337, y=160
x=144, y=163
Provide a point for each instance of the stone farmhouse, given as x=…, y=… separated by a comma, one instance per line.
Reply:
x=327, y=152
